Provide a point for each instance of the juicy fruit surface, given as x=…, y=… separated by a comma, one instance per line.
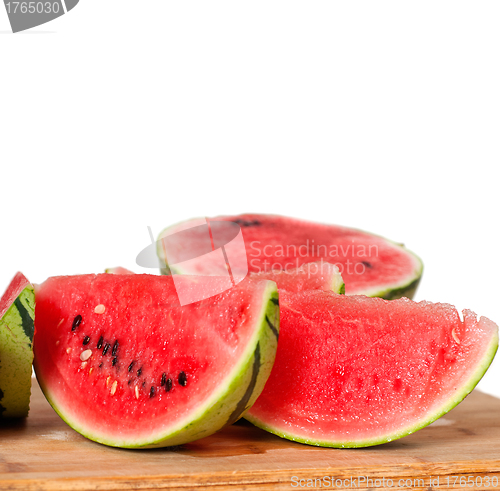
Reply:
x=362, y=371
x=369, y=264
x=17, y=307
x=125, y=365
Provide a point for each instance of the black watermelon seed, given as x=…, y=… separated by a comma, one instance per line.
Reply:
x=367, y=264
x=152, y=392
x=183, y=379
x=130, y=366
x=100, y=365
x=86, y=340
x=106, y=348
x=76, y=322
x=163, y=379
x=247, y=223
x=115, y=348
x=115, y=359
x=130, y=381
x=99, y=343
x=144, y=383
x=168, y=385
x=139, y=372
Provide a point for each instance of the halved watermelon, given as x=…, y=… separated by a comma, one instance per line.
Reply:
x=125, y=365
x=353, y=371
x=369, y=264
x=17, y=310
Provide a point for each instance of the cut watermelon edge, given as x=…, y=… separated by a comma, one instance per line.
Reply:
x=406, y=287
x=465, y=389
x=407, y=290
x=213, y=414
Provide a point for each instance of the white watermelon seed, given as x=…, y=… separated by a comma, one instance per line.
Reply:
x=108, y=379
x=60, y=322
x=68, y=350
x=113, y=387
x=454, y=336
x=91, y=370
x=57, y=342
x=136, y=392
x=100, y=309
x=83, y=365
x=85, y=355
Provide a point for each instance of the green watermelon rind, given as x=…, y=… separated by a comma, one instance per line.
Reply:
x=338, y=285
x=16, y=346
x=461, y=394
x=219, y=410
x=407, y=287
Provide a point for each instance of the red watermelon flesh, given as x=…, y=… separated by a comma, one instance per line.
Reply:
x=125, y=365
x=354, y=371
x=369, y=264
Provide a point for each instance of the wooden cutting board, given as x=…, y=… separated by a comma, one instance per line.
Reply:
x=459, y=451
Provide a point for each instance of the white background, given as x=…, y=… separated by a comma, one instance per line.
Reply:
x=380, y=115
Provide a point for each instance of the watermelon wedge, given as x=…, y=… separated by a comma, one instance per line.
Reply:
x=17, y=311
x=353, y=371
x=369, y=264
x=125, y=365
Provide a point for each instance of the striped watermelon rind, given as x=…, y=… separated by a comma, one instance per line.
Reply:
x=16, y=349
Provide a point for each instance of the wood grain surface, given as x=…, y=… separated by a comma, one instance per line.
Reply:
x=459, y=451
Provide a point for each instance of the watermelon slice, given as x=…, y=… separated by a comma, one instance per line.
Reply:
x=369, y=264
x=17, y=307
x=123, y=364
x=353, y=371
